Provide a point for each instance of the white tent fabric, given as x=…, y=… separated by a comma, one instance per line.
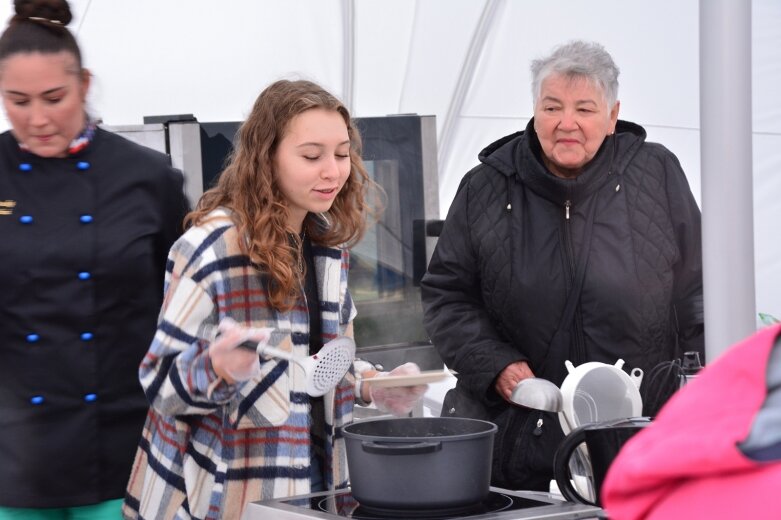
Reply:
x=465, y=61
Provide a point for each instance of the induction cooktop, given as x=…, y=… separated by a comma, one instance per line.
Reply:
x=500, y=504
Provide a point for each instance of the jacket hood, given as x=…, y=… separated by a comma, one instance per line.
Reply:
x=519, y=154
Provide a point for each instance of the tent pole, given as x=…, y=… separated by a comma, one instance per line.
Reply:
x=726, y=159
x=490, y=10
x=348, y=52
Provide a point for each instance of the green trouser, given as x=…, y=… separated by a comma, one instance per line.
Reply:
x=108, y=510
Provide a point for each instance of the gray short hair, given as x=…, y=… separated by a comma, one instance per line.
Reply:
x=577, y=58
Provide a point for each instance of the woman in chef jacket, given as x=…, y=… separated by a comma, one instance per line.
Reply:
x=86, y=220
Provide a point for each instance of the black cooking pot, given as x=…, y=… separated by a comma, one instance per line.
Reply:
x=419, y=462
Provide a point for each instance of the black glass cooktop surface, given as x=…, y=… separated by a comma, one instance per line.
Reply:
x=343, y=505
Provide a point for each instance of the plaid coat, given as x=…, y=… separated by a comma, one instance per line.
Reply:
x=209, y=448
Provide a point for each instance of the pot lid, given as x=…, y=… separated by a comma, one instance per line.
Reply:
x=596, y=392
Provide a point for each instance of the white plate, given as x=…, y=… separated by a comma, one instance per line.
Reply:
x=424, y=378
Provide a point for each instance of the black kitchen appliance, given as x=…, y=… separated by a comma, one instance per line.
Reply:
x=603, y=441
x=500, y=504
x=400, y=154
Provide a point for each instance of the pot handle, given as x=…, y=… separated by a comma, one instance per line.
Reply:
x=396, y=448
x=561, y=465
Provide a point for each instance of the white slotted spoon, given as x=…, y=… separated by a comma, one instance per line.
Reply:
x=324, y=369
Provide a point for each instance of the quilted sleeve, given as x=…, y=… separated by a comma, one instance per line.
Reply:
x=454, y=314
x=687, y=284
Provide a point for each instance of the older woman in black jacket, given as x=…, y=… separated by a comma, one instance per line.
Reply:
x=573, y=239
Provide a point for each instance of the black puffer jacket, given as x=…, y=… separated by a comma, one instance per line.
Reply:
x=505, y=263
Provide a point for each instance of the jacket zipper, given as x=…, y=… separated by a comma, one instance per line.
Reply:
x=579, y=351
x=568, y=241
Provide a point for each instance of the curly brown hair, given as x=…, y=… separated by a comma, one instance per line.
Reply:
x=248, y=187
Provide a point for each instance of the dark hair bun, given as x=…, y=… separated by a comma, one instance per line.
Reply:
x=56, y=10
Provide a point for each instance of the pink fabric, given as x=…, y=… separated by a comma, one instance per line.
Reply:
x=687, y=463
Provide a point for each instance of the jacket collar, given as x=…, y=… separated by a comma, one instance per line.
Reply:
x=518, y=155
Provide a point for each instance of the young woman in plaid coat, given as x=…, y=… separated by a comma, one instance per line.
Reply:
x=266, y=250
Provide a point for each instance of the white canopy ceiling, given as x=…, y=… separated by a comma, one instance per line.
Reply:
x=465, y=61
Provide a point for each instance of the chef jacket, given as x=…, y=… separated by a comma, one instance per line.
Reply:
x=83, y=243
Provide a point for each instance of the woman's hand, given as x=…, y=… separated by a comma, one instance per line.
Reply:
x=398, y=400
x=235, y=364
x=508, y=378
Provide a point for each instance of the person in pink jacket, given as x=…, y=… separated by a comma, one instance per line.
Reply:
x=714, y=450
